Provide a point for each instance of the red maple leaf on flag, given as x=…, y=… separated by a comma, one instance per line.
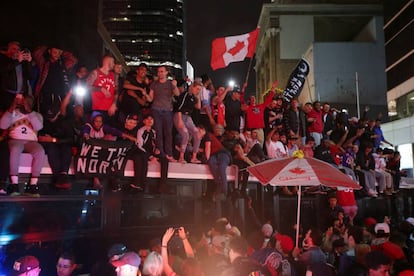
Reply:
x=297, y=170
x=237, y=48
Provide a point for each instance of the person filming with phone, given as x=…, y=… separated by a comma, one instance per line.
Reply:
x=15, y=72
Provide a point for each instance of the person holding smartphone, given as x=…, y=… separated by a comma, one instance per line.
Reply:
x=15, y=72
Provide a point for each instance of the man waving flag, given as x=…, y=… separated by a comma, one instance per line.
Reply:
x=232, y=49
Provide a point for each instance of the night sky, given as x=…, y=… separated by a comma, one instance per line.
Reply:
x=218, y=18
x=46, y=21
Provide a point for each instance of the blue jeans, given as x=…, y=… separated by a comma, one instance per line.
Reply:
x=163, y=128
x=188, y=129
x=218, y=163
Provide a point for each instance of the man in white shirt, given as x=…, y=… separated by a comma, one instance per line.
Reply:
x=275, y=148
x=23, y=124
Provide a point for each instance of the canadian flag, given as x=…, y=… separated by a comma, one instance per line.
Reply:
x=232, y=49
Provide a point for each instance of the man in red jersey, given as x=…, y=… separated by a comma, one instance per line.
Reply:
x=255, y=113
x=102, y=83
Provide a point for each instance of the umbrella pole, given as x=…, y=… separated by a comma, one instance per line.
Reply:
x=298, y=216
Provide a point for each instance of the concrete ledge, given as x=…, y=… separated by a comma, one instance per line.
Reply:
x=175, y=170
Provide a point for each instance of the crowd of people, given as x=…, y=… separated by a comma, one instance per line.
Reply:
x=375, y=248
x=50, y=102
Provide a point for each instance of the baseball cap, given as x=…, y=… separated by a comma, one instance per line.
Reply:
x=116, y=249
x=132, y=117
x=142, y=64
x=382, y=227
x=24, y=264
x=198, y=81
x=410, y=220
x=236, y=89
x=369, y=221
x=129, y=258
x=353, y=119
x=286, y=242
x=267, y=229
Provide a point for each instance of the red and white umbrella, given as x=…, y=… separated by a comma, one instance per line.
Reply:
x=300, y=171
x=294, y=171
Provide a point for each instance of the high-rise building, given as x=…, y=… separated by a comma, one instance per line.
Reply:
x=150, y=31
x=399, y=47
x=343, y=43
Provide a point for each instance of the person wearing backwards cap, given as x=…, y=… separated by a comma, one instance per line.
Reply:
x=105, y=267
x=382, y=243
x=27, y=265
x=127, y=265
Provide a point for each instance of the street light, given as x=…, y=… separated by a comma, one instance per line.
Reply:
x=232, y=83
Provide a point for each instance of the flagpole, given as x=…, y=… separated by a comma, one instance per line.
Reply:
x=248, y=71
x=298, y=216
x=357, y=95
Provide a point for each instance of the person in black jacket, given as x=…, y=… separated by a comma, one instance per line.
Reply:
x=365, y=165
x=15, y=72
x=295, y=121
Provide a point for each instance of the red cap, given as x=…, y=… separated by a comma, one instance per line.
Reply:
x=25, y=264
x=370, y=221
x=286, y=242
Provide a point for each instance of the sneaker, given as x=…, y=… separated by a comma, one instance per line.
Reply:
x=372, y=193
x=116, y=187
x=182, y=161
x=195, y=161
x=14, y=190
x=31, y=190
x=63, y=182
x=170, y=158
x=3, y=191
x=96, y=184
x=136, y=188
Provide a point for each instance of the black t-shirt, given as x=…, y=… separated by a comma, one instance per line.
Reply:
x=233, y=113
x=185, y=103
x=130, y=104
x=56, y=80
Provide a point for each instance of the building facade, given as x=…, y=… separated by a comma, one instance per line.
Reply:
x=339, y=41
x=399, y=45
x=150, y=31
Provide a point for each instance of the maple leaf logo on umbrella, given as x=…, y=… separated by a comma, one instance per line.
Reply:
x=237, y=48
x=297, y=170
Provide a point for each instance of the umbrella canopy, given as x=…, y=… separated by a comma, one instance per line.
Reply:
x=301, y=172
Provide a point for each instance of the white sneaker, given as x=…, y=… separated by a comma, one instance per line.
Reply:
x=372, y=193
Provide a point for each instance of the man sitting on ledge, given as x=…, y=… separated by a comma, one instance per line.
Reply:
x=23, y=124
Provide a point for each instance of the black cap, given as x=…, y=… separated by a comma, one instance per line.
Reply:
x=143, y=64
x=117, y=249
x=132, y=116
x=236, y=89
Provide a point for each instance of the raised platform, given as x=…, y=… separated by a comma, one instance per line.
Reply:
x=175, y=170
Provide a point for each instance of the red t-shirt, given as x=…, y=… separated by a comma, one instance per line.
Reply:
x=346, y=197
x=255, y=113
x=99, y=100
x=317, y=125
